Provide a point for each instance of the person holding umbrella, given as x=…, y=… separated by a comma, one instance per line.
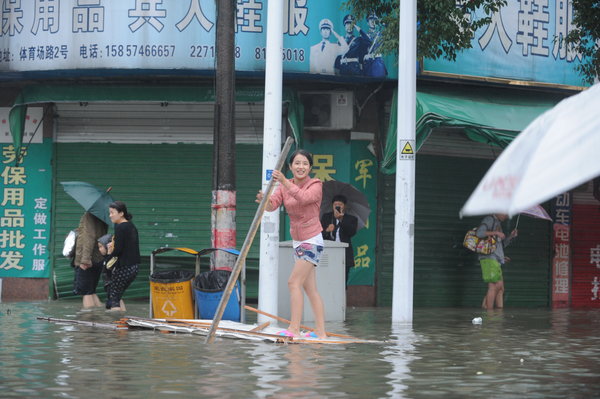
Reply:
x=340, y=226
x=491, y=264
x=92, y=225
x=88, y=259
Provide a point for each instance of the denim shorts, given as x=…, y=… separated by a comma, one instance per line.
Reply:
x=308, y=252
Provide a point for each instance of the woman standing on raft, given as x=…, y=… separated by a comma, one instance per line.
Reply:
x=301, y=197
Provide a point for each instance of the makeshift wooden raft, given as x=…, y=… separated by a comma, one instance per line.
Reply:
x=232, y=329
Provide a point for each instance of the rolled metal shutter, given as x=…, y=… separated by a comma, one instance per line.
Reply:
x=152, y=123
x=445, y=273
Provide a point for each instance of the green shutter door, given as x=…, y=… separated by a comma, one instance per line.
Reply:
x=446, y=274
x=167, y=187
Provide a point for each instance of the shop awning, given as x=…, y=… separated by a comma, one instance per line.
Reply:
x=114, y=93
x=486, y=116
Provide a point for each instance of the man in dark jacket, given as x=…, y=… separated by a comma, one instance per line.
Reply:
x=340, y=226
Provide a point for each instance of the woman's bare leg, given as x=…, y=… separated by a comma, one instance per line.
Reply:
x=310, y=286
x=491, y=296
x=300, y=272
x=500, y=295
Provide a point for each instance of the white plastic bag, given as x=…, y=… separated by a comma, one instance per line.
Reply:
x=69, y=247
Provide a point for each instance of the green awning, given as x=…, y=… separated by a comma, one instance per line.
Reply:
x=40, y=94
x=486, y=116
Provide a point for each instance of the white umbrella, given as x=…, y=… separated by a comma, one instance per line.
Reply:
x=559, y=150
x=536, y=212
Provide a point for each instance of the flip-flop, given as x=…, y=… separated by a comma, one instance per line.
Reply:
x=285, y=333
x=311, y=334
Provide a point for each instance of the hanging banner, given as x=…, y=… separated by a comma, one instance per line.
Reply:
x=25, y=205
x=524, y=41
x=561, y=240
x=363, y=176
x=319, y=37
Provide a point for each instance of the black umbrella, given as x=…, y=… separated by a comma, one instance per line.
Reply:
x=357, y=204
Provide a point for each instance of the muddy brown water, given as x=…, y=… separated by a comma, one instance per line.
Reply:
x=516, y=353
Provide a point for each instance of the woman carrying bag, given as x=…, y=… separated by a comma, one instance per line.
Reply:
x=125, y=255
x=491, y=264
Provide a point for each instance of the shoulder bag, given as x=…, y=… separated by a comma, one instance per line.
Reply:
x=484, y=246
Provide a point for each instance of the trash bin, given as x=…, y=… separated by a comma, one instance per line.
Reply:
x=172, y=294
x=208, y=291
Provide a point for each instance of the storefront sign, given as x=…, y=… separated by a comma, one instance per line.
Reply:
x=363, y=176
x=524, y=41
x=353, y=164
x=586, y=256
x=25, y=205
x=320, y=38
x=561, y=240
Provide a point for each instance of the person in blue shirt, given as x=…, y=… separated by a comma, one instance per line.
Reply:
x=350, y=63
x=373, y=65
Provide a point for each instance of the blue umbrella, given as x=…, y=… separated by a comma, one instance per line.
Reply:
x=91, y=198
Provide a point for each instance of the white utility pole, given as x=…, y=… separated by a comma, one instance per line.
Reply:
x=404, y=228
x=269, y=229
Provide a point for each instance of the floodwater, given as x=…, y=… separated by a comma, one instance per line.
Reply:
x=515, y=353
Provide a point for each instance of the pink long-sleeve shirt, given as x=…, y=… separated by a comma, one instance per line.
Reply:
x=303, y=205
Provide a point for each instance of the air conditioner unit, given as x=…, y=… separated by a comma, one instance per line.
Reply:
x=328, y=110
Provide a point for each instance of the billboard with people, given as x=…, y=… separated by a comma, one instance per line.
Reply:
x=319, y=37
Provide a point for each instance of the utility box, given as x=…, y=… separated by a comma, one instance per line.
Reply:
x=331, y=276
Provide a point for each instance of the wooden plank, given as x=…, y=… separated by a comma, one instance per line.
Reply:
x=110, y=326
x=206, y=328
x=330, y=334
x=192, y=326
x=262, y=326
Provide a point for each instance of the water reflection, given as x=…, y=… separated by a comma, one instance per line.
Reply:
x=266, y=364
x=514, y=353
x=399, y=353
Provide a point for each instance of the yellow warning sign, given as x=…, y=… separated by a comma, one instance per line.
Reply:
x=407, y=150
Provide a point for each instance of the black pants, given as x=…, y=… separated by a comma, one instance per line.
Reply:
x=86, y=281
x=121, y=279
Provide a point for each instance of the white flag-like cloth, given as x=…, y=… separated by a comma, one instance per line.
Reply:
x=559, y=150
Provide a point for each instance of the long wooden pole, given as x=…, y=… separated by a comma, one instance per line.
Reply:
x=85, y=323
x=247, y=243
x=329, y=334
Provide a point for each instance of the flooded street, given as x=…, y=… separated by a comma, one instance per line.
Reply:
x=513, y=354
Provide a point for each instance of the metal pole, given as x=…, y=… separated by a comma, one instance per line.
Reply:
x=241, y=260
x=152, y=262
x=269, y=229
x=404, y=228
x=223, y=195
